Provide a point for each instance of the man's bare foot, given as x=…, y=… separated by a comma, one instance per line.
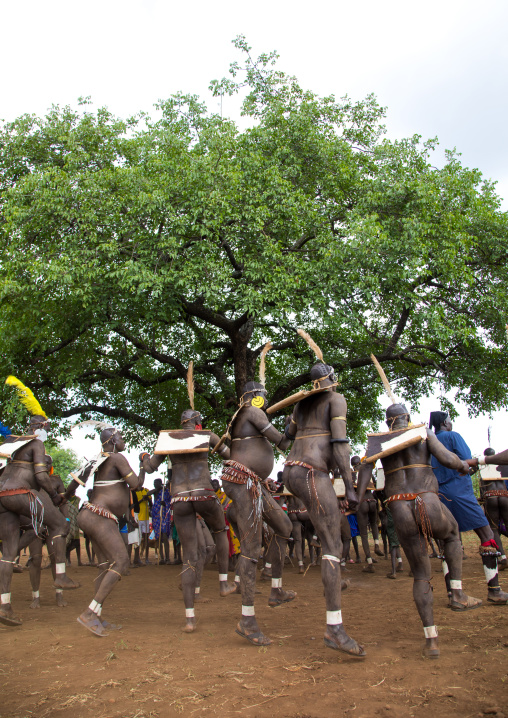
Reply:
x=36, y=603
x=63, y=581
x=227, y=588
x=358, y=560
x=266, y=574
x=17, y=568
x=344, y=584
x=336, y=637
x=399, y=568
x=110, y=626
x=249, y=629
x=460, y=601
x=369, y=568
x=391, y=575
x=431, y=650
x=301, y=569
x=190, y=625
x=60, y=600
x=7, y=616
x=198, y=598
x=378, y=551
x=91, y=621
x=238, y=588
x=497, y=597
x=278, y=596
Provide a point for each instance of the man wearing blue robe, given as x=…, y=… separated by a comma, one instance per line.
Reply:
x=456, y=492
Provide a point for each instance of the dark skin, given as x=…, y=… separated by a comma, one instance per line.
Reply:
x=191, y=476
x=33, y=475
x=496, y=507
x=297, y=513
x=257, y=455
x=313, y=416
x=443, y=525
x=112, y=555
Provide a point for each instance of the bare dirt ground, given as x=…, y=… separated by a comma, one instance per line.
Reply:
x=52, y=667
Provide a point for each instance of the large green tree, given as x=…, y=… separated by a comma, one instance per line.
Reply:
x=131, y=246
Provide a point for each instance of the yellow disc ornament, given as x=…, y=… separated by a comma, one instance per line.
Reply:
x=258, y=402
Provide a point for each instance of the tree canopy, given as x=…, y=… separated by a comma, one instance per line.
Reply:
x=130, y=247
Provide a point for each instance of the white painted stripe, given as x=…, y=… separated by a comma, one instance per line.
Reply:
x=333, y=618
x=490, y=573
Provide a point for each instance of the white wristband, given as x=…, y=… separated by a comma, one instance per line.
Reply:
x=430, y=631
x=248, y=611
x=333, y=618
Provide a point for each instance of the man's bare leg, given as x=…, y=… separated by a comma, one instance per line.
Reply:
x=109, y=542
x=281, y=526
x=213, y=514
x=9, y=534
x=325, y=516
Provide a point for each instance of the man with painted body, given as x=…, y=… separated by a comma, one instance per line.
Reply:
x=99, y=517
x=457, y=494
x=412, y=496
x=21, y=496
x=245, y=480
x=192, y=493
x=318, y=428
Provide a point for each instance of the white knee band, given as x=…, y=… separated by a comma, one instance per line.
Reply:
x=197, y=590
x=35, y=594
x=58, y=590
x=223, y=577
x=276, y=582
x=248, y=611
x=430, y=631
x=268, y=565
x=5, y=598
x=60, y=568
x=369, y=560
x=457, y=585
x=94, y=606
x=333, y=618
x=189, y=613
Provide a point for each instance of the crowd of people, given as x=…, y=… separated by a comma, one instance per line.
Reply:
x=421, y=495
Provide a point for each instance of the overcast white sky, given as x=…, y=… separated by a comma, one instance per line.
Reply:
x=439, y=67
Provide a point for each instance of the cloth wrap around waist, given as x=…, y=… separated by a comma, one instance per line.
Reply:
x=100, y=511
x=236, y=473
x=491, y=493
x=311, y=483
x=420, y=512
x=34, y=501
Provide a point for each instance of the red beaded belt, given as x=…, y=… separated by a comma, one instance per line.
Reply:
x=311, y=483
x=209, y=497
x=495, y=492
x=420, y=510
x=100, y=511
x=237, y=473
x=15, y=492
